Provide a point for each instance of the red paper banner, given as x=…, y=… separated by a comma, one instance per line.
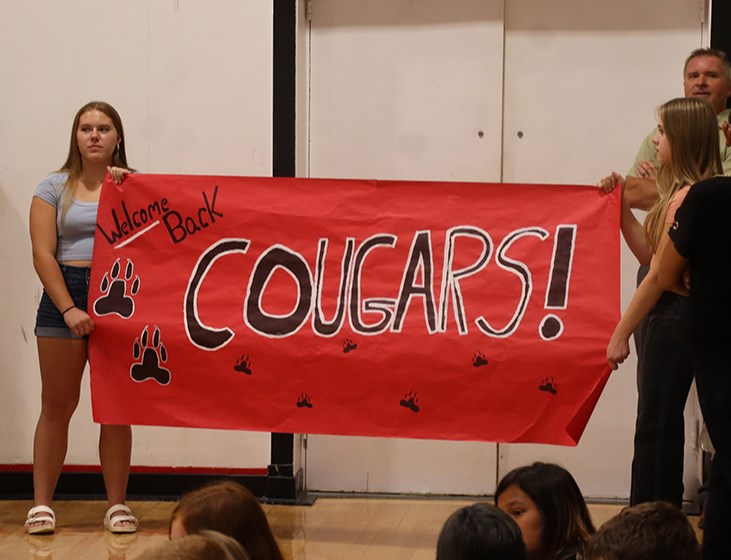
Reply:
x=398, y=309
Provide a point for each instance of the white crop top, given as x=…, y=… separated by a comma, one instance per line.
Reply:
x=76, y=231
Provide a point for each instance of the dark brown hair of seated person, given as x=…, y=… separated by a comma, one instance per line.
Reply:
x=647, y=531
x=480, y=531
x=229, y=508
x=567, y=522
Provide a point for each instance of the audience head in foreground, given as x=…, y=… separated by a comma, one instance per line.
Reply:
x=480, y=532
x=647, y=531
x=231, y=509
x=546, y=503
x=208, y=545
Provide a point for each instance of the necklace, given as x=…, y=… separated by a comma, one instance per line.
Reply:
x=90, y=185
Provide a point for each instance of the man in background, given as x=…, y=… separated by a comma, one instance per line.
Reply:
x=707, y=76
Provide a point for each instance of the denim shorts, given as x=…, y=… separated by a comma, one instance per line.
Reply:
x=49, y=321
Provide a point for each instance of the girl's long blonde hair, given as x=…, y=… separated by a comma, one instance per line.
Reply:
x=74, y=164
x=691, y=128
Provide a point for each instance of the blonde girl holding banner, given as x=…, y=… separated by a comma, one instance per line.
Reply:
x=686, y=144
x=62, y=225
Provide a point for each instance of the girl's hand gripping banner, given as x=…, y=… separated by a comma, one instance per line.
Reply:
x=397, y=309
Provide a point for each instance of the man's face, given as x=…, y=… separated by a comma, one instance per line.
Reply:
x=706, y=78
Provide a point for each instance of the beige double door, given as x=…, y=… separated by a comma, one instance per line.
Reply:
x=487, y=90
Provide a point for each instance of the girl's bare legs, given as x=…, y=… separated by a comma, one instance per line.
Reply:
x=115, y=450
x=62, y=362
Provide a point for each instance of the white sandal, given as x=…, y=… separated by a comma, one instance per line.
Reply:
x=41, y=521
x=114, y=523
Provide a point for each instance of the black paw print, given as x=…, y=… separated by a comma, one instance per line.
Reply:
x=243, y=364
x=479, y=359
x=548, y=385
x=411, y=401
x=304, y=401
x=115, y=299
x=152, y=355
x=348, y=345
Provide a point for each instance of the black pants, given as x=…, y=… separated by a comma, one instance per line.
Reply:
x=664, y=376
x=714, y=392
